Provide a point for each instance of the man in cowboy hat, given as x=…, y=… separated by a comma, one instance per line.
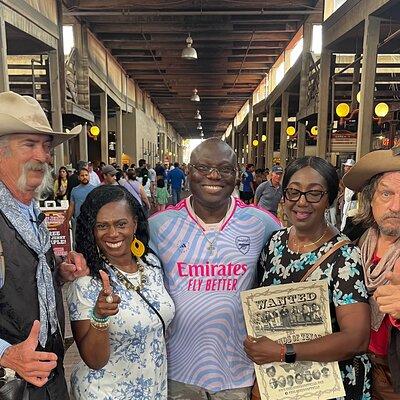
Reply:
x=377, y=177
x=30, y=276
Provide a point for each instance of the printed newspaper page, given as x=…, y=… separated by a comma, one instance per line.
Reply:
x=292, y=313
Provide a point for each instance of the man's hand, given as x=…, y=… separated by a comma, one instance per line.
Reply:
x=262, y=350
x=33, y=366
x=73, y=267
x=388, y=296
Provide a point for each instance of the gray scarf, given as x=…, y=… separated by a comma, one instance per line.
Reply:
x=375, y=275
x=40, y=244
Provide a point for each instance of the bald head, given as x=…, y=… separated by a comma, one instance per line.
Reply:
x=214, y=147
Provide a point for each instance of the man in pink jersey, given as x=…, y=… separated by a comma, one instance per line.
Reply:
x=209, y=245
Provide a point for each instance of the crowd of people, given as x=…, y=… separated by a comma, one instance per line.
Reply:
x=154, y=300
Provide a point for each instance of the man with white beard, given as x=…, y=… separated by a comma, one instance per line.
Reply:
x=32, y=316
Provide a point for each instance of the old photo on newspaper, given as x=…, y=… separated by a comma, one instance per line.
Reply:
x=292, y=313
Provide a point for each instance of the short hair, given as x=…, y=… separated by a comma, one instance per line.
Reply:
x=95, y=200
x=364, y=215
x=82, y=169
x=323, y=167
x=142, y=162
x=176, y=164
x=131, y=174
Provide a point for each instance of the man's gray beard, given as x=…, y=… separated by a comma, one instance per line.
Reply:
x=392, y=231
x=45, y=188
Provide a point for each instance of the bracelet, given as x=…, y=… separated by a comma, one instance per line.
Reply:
x=99, y=327
x=100, y=320
x=282, y=355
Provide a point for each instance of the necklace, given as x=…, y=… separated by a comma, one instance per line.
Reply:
x=211, y=247
x=295, y=242
x=124, y=280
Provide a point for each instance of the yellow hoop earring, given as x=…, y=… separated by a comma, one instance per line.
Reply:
x=137, y=248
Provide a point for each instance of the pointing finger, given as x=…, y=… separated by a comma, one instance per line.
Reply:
x=105, y=281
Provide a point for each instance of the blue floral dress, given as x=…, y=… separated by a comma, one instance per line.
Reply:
x=137, y=368
x=345, y=277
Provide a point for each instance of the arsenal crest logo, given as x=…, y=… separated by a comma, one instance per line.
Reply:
x=243, y=244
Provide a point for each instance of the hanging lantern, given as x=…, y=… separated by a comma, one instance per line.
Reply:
x=290, y=130
x=255, y=142
x=94, y=132
x=358, y=97
x=264, y=138
x=314, y=131
x=381, y=110
x=342, y=110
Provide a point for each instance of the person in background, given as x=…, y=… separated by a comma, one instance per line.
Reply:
x=121, y=311
x=176, y=178
x=161, y=195
x=377, y=177
x=248, y=184
x=78, y=196
x=73, y=180
x=258, y=177
x=269, y=194
x=94, y=179
x=153, y=184
x=349, y=197
x=160, y=171
x=61, y=184
x=32, y=315
x=310, y=185
x=206, y=358
x=135, y=188
x=99, y=172
x=109, y=174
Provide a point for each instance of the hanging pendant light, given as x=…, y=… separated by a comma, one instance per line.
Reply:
x=199, y=127
x=195, y=96
x=189, y=53
x=197, y=115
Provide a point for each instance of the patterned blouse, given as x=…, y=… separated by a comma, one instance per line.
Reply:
x=345, y=277
x=137, y=368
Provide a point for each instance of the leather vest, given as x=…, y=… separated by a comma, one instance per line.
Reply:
x=19, y=304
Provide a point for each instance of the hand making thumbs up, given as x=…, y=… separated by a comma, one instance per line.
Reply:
x=33, y=366
x=388, y=296
x=107, y=302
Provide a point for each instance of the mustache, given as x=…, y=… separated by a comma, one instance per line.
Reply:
x=391, y=215
x=35, y=166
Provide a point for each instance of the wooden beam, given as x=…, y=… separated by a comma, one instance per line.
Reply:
x=104, y=126
x=269, y=148
x=370, y=49
x=284, y=125
x=4, y=84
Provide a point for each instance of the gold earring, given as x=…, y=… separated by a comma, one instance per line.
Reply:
x=137, y=247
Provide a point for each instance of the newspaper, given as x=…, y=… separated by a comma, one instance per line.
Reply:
x=292, y=313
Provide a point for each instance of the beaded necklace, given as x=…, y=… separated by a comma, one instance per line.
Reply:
x=124, y=280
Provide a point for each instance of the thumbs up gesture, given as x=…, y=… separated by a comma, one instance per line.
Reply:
x=107, y=302
x=33, y=366
x=388, y=296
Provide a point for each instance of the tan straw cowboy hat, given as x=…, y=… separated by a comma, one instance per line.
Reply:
x=23, y=114
x=372, y=164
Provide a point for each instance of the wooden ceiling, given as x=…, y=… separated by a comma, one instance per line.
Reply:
x=237, y=42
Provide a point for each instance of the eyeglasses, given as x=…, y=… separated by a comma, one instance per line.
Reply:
x=224, y=171
x=311, y=196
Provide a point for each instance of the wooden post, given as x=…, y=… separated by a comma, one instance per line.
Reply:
x=4, y=84
x=355, y=86
x=118, y=137
x=284, y=125
x=323, y=104
x=233, y=138
x=104, y=127
x=240, y=147
x=61, y=151
x=250, y=123
x=260, y=129
x=370, y=49
x=269, y=147
x=83, y=143
x=304, y=76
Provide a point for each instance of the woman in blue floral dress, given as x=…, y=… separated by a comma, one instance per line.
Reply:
x=120, y=312
x=310, y=186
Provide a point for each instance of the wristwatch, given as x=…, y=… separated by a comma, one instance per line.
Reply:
x=290, y=354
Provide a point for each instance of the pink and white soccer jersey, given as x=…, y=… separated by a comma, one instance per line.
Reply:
x=205, y=339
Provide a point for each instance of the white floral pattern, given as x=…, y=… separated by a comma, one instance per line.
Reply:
x=137, y=368
x=344, y=274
